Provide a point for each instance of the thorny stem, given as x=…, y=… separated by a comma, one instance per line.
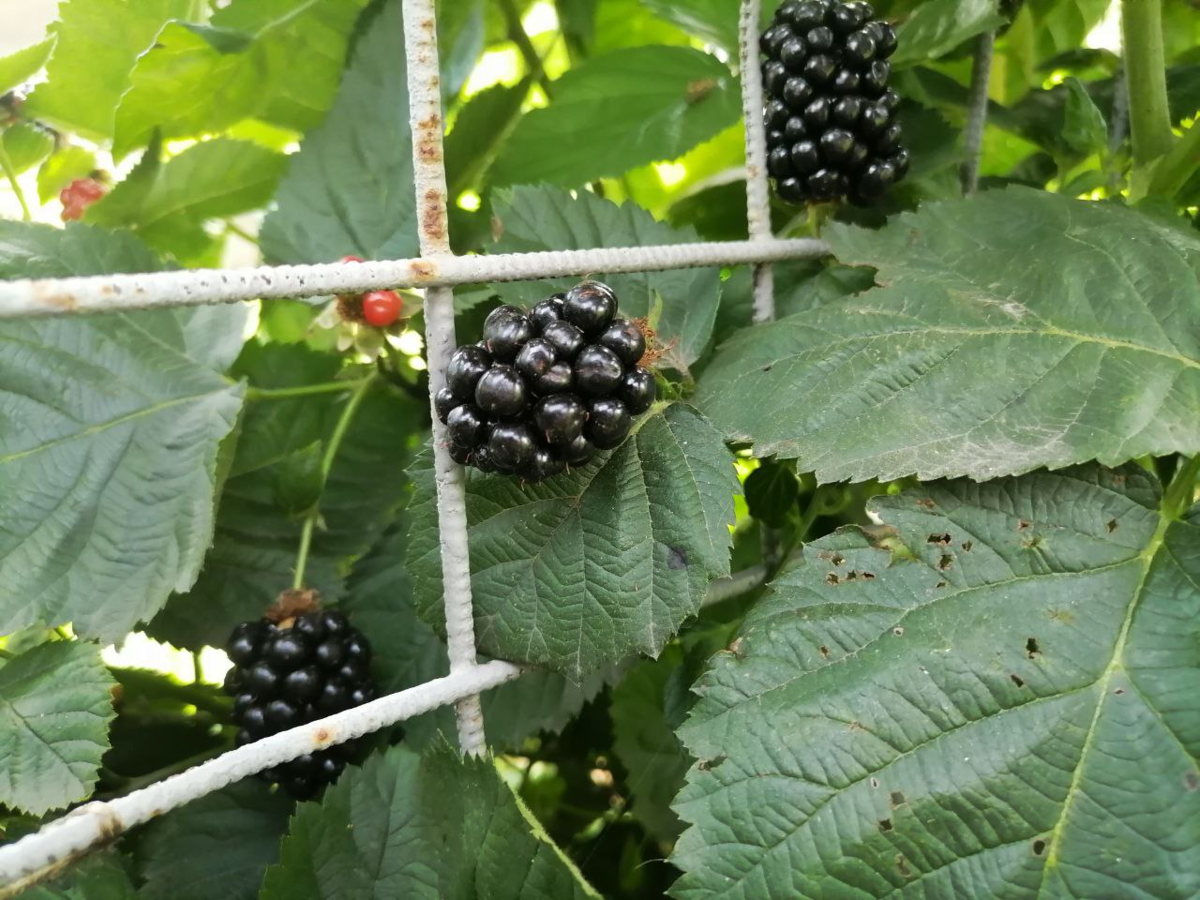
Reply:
x=335, y=441
x=11, y=174
x=1146, y=74
x=977, y=111
x=304, y=390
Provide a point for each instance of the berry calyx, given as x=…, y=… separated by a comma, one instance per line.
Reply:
x=381, y=308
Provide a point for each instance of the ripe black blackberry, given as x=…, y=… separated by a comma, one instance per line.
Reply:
x=830, y=117
x=547, y=388
x=294, y=666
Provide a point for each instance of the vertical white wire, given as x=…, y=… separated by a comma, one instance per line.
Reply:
x=977, y=111
x=429, y=177
x=758, y=195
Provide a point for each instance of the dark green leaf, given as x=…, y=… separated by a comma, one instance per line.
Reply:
x=482, y=126
x=1085, y=130
x=98, y=42
x=407, y=653
x=940, y=26
x=216, y=847
x=771, y=492
x=19, y=67
x=589, y=568
x=433, y=826
x=627, y=109
x=98, y=877
x=1016, y=330
x=460, y=43
x=716, y=21
x=349, y=189
x=55, y=706
x=682, y=304
x=112, y=425
x=996, y=684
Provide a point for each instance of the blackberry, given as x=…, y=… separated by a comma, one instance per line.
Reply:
x=830, y=117
x=542, y=391
x=296, y=665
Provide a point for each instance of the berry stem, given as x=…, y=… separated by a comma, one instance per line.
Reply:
x=335, y=441
x=519, y=36
x=11, y=174
x=240, y=232
x=1181, y=492
x=1146, y=75
x=977, y=112
x=304, y=390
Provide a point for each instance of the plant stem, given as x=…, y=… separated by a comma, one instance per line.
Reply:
x=1146, y=74
x=10, y=173
x=335, y=441
x=977, y=111
x=7, y=654
x=1173, y=171
x=240, y=232
x=305, y=390
x=136, y=784
x=518, y=35
x=1181, y=491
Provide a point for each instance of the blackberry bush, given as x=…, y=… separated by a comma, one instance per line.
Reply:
x=546, y=389
x=830, y=116
x=293, y=667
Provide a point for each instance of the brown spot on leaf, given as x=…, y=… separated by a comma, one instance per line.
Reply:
x=824, y=651
x=1024, y=525
x=898, y=631
x=1191, y=781
x=926, y=503
x=967, y=545
x=1111, y=525
x=897, y=799
x=832, y=578
x=699, y=89
x=707, y=765
x=902, y=866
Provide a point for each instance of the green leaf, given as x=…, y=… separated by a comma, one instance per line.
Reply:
x=940, y=26
x=592, y=567
x=64, y=165
x=771, y=492
x=19, y=67
x=98, y=42
x=432, y=826
x=241, y=65
x=100, y=876
x=460, y=31
x=1085, y=130
x=254, y=551
x=548, y=218
x=994, y=685
x=482, y=126
x=55, y=706
x=408, y=653
x=716, y=21
x=217, y=846
x=349, y=189
x=627, y=108
x=1016, y=330
x=112, y=425
x=216, y=178
x=645, y=742
x=26, y=144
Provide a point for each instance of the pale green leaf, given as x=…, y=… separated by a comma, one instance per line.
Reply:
x=992, y=694
x=26, y=145
x=1016, y=330
x=217, y=846
x=110, y=425
x=684, y=302
x=592, y=567
x=19, y=67
x=434, y=826
x=619, y=111
x=349, y=190
x=55, y=706
x=64, y=165
x=98, y=42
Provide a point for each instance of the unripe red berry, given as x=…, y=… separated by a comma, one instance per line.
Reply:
x=381, y=308
x=78, y=196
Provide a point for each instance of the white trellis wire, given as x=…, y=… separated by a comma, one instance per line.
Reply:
x=98, y=823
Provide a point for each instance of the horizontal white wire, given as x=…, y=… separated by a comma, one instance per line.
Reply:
x=93, y=824
x=194, y=287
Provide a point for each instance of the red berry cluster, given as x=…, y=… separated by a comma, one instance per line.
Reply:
x=378, y=308
x=78, y=196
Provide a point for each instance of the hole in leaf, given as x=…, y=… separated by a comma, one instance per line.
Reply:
x=940, y=584
x=1119, y=691
x=967, y=545
x=926, y=503
x=1017, y=680
x=868, y=576
x=1111, y=525
x=1031, y=648
x=767, y=367
x=1039, y=847
x=874, y=782
x=940, y=539
x=898, y=799
x=838, y=559
x=945, y=562
x=825, y=651
x=1024, y=525
x=832, y=578
x=885, y=825
x=898, y=631
x=902, y=866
